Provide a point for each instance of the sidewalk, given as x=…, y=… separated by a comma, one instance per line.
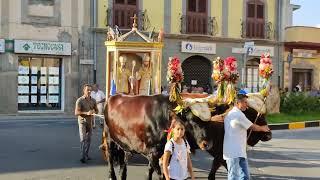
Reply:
x=44, y=117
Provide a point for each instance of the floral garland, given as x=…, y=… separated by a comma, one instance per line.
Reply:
x=232, y=74
x=174, y=78
x=174, y=73
x=265, y=71
x=218, y=75
x=218, y=70
x=226, y=76
x=231, y=77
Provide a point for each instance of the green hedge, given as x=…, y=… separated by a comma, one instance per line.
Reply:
x=297, y=103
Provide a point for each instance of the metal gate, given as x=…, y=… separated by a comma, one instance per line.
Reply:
x=197, y=68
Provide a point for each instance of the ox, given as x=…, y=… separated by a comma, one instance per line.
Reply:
x=137, y=124
x=216, y=131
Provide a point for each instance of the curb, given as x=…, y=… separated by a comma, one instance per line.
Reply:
x=295, y=125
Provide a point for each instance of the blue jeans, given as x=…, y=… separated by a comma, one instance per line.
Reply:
x=238, y=169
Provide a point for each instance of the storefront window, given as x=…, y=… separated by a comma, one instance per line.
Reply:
x=39, y=83
x=253, y=80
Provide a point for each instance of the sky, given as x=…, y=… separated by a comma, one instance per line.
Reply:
x=308, y=14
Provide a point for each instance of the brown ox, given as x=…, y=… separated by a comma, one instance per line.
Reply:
x=136, y=124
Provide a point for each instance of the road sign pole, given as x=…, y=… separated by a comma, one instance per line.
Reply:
x=248, y=46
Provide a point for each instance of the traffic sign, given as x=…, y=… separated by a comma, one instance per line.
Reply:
x=248, y=44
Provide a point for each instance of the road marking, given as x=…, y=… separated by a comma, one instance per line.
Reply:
x=298, y=125
x=42, y=125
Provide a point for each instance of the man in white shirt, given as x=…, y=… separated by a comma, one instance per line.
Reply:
x=236, y=125
x=299, y=87
x=100, y=98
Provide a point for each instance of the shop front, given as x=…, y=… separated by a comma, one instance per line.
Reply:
x=40, y=81
x=250, y=79
x=197, y=68
x=302, y=59
x=197, y=54
x=303, y=69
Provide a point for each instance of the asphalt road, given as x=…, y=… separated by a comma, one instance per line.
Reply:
x=49, y=150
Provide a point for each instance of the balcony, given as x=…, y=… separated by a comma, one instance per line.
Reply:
x=256, y=29
x=121, y=16
x=302, y=34
x=193, y=23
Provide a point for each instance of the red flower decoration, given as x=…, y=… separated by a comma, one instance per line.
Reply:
x=174, y=74
x=231, y=73
x=231, y=64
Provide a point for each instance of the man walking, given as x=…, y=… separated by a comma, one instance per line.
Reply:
x=236, y=125
x=100, y=98
x=85, y=108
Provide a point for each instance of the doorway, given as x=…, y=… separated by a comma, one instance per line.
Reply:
x=303, y=76
x=197, y=72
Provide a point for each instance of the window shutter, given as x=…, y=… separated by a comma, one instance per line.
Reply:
x=202, y=6
x=122, y=11
x=260, y=11
x=192, y=5
x=255, y=22
x=251, y=9
x=197, y=17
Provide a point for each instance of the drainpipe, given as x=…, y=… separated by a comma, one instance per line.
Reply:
x=279, y=39
x=94, y=41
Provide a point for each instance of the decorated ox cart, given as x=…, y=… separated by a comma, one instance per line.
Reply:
x=133, y=62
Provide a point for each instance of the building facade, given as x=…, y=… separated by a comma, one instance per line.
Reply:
x=198, y=31
x=302, y=54
x=44, y=43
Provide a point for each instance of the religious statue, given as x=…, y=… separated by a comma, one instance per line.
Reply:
x=144, y=76
x=123, y=76
x=161, y=35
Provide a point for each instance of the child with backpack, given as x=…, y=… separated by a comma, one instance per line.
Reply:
x=176, y=158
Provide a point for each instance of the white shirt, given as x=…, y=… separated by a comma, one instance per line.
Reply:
x=299, y=88
x=178, y=167
x=98, y=96
x=236, y=125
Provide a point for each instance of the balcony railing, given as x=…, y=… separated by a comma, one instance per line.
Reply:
x=257, y=29
x=194, y=23
x=122, y=18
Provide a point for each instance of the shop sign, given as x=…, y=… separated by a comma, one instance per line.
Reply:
x=2, y=45
x=42, y=47
x=86, y=61
x=197, y=47
x=256, y=50
x=304, y=53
